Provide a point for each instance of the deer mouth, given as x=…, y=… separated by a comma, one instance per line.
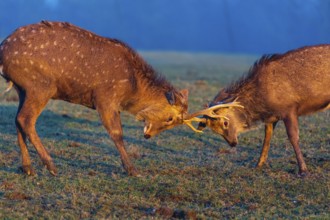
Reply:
x=146, y=130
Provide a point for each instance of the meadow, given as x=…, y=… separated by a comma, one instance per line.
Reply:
x=184, y=175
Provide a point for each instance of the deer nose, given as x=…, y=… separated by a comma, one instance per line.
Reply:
x=233, y=144
x=147, y=136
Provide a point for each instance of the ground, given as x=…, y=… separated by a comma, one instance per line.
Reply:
x=185, y=175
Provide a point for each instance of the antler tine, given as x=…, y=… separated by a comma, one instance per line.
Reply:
x=190, y=125
x=210, y=113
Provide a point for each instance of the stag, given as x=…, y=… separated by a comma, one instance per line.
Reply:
x=56, y=60
x=277, y=87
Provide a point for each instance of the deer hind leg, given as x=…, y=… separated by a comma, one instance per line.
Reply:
x=112, y=123
x=21, y=139
x=26, y=118
x=269, y=128
x=292, y=129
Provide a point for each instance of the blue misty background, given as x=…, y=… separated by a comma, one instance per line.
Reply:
x=234, y=26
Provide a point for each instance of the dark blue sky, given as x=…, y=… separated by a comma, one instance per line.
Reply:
x=235, y=26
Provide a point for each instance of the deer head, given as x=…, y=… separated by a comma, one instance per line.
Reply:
x=167, y=112
x=219, y=118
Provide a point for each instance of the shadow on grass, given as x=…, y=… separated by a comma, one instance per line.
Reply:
x=56, y=128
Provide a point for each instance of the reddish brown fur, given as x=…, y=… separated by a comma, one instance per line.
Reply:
x=278, y=87
x=54, y=60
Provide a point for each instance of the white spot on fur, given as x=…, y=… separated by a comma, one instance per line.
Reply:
x=42, y=46
x=55, y=43
x=16, y=52
x=123, y=80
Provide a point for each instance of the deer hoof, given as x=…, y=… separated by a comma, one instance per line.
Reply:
x=303, y=174
x=53, y=172
x=51, y=168
x=27, y=169
x=133, y=172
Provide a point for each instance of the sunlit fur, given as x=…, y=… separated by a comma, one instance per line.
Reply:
x=277, y=87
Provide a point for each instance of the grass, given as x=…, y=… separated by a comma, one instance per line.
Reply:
x=185, y=175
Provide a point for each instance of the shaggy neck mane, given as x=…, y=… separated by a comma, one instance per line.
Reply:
x=143, y=71
x=245, y=89
x=249, y=78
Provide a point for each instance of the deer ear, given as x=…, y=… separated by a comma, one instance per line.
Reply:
x=184, y=94
x=170, y=97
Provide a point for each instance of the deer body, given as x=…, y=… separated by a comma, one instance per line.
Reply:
x=278, y=87
x=55, y=60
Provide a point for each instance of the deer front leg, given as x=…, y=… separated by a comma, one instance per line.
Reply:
x=112, y=123
x=292, y=129
x=269, y=128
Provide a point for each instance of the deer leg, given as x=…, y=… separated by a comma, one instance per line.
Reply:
x=26, y=161
x=21, y=139
x=112, y=123
x=266, y=145
x=26, y=120
x=292, y=129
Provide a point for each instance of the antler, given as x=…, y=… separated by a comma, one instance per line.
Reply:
x=210, y=113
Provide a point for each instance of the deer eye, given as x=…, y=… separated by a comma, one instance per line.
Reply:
x=170, y=119
x=225, y=124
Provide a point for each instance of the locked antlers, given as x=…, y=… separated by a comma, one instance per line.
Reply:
x=210, y=112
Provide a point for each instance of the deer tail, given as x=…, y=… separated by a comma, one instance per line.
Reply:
x=9, y=87
x=10, y=83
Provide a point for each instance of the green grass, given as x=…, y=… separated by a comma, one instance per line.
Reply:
x=185, y=175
